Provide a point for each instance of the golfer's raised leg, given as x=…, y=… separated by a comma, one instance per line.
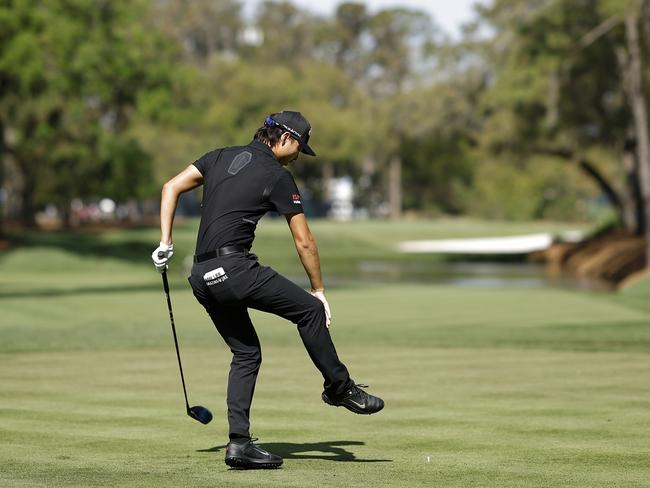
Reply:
x=276, y=294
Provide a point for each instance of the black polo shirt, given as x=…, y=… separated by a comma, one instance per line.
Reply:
x=240, y=185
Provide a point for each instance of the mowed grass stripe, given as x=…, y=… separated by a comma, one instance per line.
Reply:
x=402, y=315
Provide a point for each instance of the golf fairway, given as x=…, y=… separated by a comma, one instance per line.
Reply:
x=501, y=387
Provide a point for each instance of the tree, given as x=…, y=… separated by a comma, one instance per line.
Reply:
x=552, y=91
x=289, y=35
x=200, y=28
x=633, y=78
x=555, y=88
x=380, y=52
x=72, y=73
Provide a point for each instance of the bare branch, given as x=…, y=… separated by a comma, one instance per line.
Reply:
x=599, y=31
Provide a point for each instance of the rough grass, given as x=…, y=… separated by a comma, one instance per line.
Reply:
x=498, y=387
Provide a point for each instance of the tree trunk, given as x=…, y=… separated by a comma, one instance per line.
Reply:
x=27, y=193
x=591, y=171
x=633, y=200
x=327, y=175
x=640, y=114
x=3, y=194
x=395, y=187
x=603, y=184
x=28, y=210
x=327, y=172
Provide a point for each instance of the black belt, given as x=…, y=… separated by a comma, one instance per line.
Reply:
x=222, y=251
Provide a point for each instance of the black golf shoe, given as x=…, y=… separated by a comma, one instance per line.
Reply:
x=243, y=454
x=356, y=400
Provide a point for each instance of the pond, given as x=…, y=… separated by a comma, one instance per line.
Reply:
x=474, y=274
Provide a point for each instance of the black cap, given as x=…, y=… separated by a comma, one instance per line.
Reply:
x=296, y=125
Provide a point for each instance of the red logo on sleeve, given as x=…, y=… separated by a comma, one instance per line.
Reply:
x=296, y=198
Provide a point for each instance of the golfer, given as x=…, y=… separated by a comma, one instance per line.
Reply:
x=240, y=185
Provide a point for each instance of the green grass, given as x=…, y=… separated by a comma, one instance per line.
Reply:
x=506, y=387
x=637, y=295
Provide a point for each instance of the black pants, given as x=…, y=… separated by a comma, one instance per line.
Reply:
x=227, y=286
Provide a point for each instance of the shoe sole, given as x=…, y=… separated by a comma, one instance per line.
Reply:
x=351, y=408
x=241, y=463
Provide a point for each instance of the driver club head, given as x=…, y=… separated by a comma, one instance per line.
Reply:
x=200, y=413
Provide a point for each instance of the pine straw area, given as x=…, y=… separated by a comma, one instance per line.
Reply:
x=611, y=258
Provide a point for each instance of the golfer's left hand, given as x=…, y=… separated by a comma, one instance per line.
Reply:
x=161, y=255
x=321, y=296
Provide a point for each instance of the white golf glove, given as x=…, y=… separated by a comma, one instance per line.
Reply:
x=161, y=255
x=328, y=314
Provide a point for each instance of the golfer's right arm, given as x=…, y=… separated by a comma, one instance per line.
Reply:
x=186, y=180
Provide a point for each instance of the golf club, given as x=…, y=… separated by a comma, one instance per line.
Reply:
x=198, y=412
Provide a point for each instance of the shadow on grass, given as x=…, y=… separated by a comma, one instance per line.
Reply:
x=326, y=450
x=87, y=290
x=92, y=244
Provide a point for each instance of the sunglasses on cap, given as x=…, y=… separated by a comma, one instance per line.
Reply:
x=270, y=122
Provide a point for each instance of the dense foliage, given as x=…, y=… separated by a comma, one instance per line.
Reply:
x=529, y=115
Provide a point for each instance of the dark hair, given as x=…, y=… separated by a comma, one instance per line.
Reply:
x=269, y=135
